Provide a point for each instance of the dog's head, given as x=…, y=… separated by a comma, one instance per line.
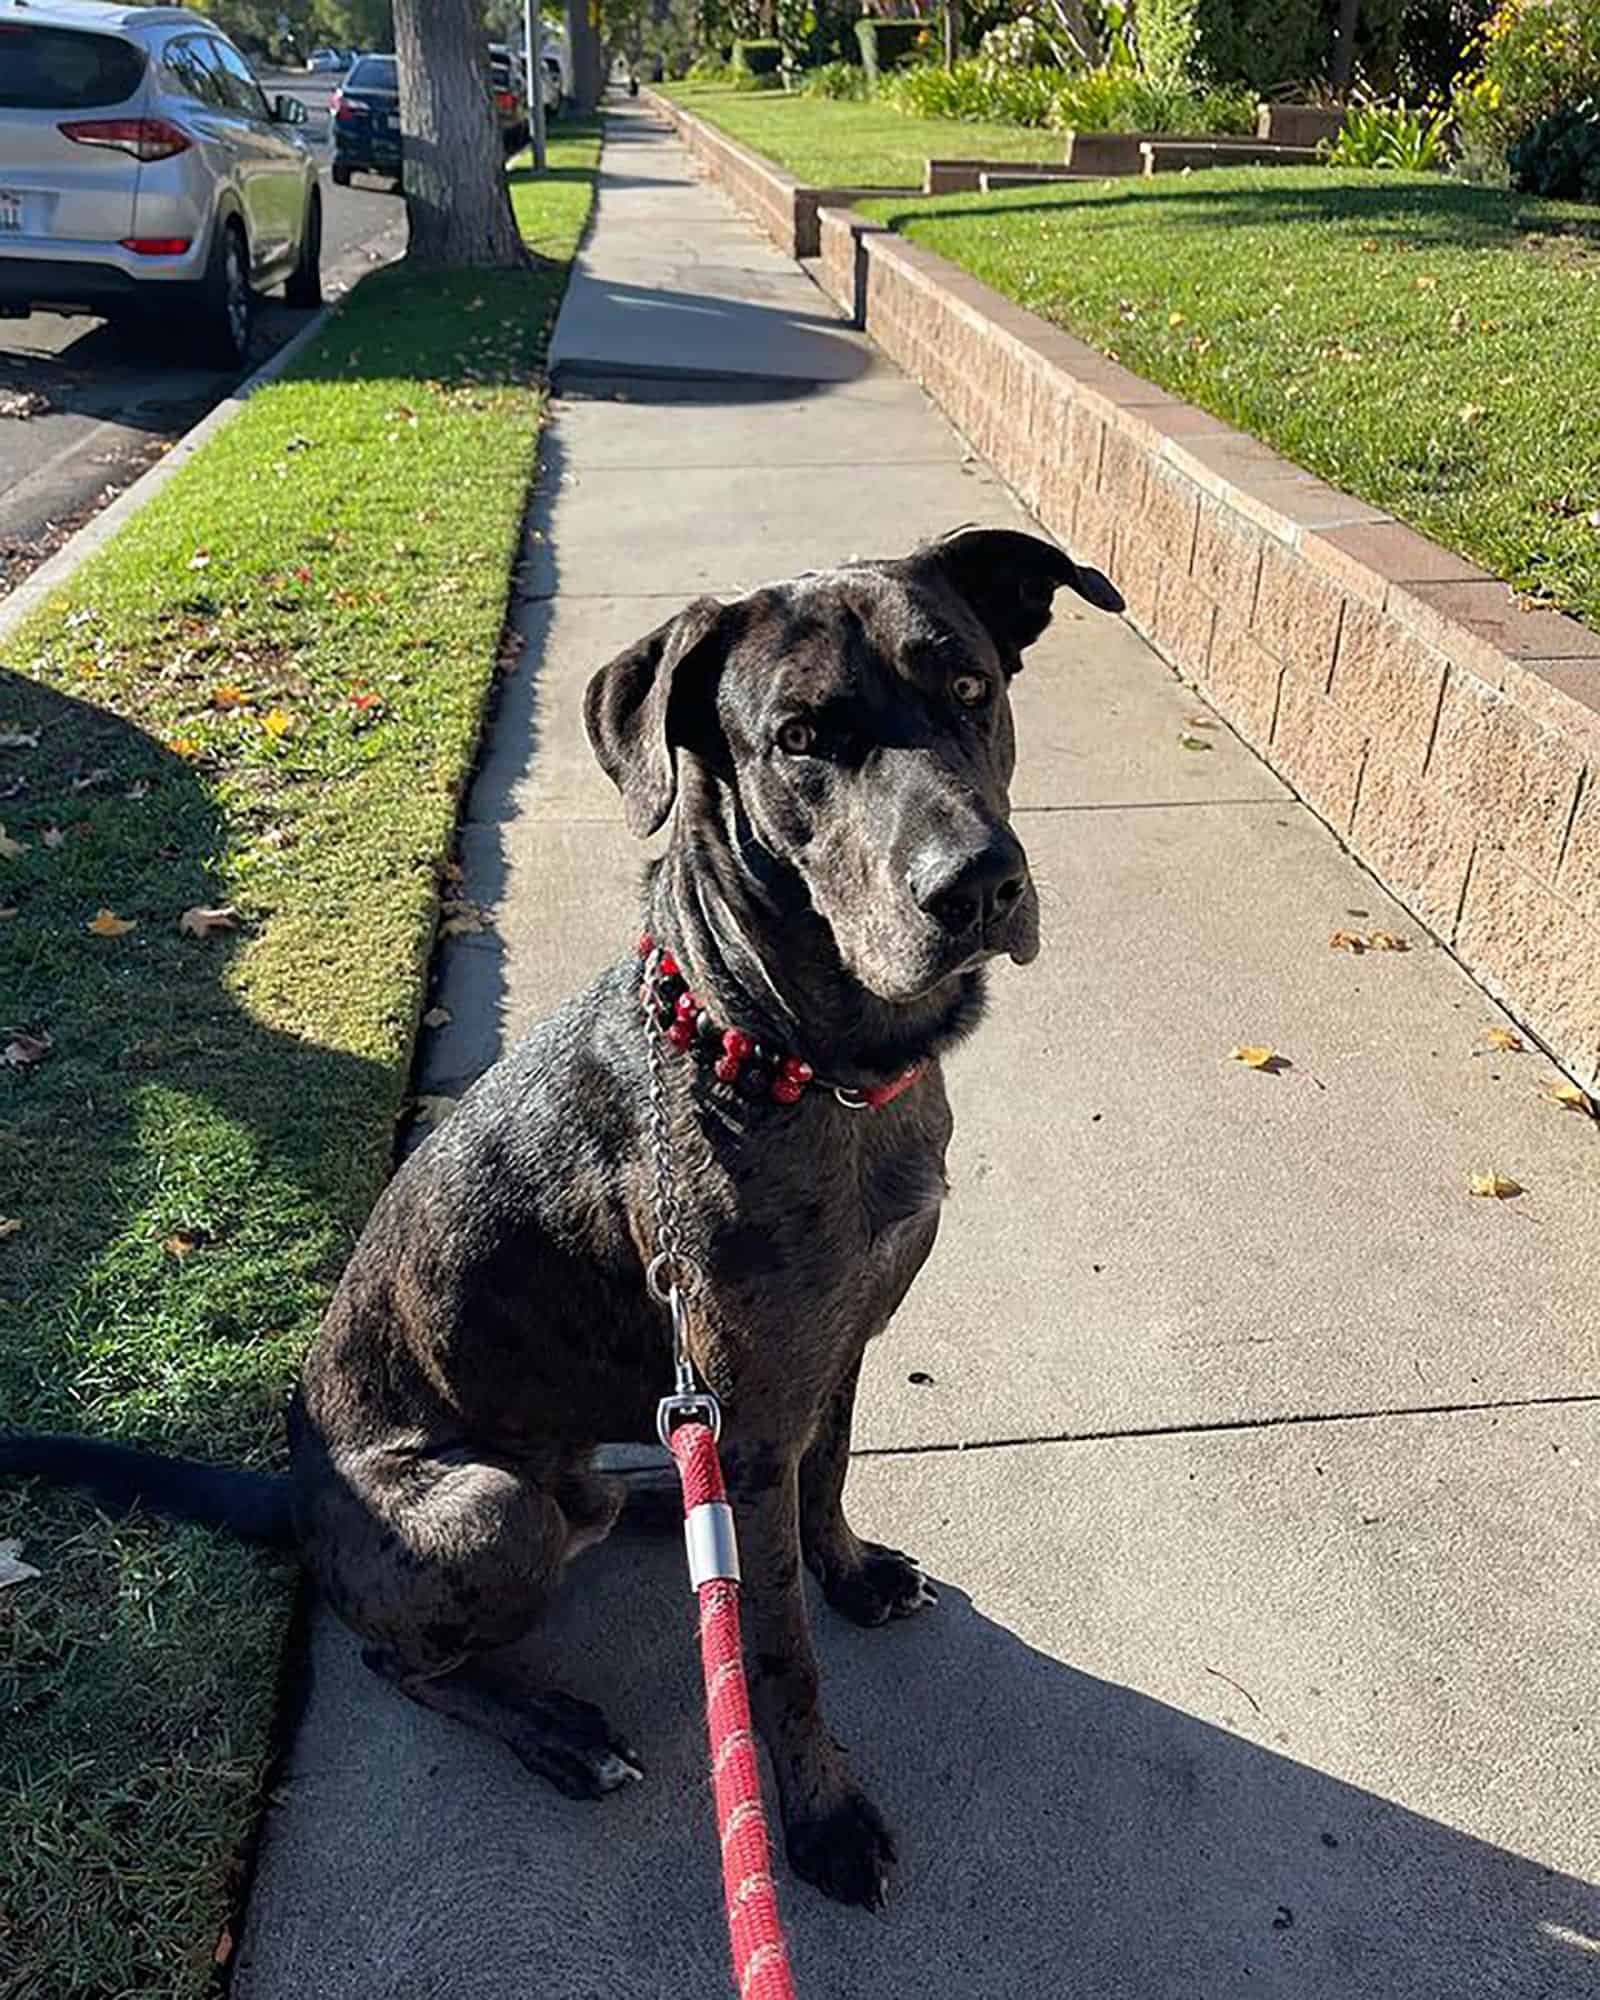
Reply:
x=854, y=728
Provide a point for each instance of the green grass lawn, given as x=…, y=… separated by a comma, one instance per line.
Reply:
x=829, y=144
x=264, y=697
x=1428, y=346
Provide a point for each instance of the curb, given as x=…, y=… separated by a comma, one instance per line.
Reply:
x=93, y=536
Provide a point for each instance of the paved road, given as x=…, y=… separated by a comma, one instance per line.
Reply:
x=108, y=410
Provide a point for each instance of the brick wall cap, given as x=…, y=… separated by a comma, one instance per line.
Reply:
x=1366, y=557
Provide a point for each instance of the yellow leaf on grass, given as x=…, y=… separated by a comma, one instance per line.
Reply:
x=1505, y=1039
x=10, y=1225
x=1254, y=1056
x=1175, y=319
x=10, y=848
x=109, y=924
x=229, y=696
x=181, y=1245
x=1497, y=1187
x=1571, y=1098
x=277, y=723
x=185, y=746
x=200, y=922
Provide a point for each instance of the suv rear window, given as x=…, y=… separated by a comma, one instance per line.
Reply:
x=63, y=69
x=374, y=73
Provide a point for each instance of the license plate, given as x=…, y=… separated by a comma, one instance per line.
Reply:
x=10, y=209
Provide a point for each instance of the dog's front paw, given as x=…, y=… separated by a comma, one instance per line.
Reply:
x=847, y=1852
x=885, y=1584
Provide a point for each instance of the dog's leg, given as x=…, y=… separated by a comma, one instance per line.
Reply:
x=557, y=1736
x=834, y=1834
x=442, y=1562
x=869, y=1583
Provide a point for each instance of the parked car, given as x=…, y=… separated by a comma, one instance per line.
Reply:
x=366, y=120
x=327, y=59
x=145, y=177
x=552, y=87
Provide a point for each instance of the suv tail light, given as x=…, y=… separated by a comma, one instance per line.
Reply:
x=506, y=99
x=346, y=110
x=146, y=139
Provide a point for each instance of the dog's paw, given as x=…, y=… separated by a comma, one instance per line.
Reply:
x=847, y=1853
x=885, y=1584
x=570, y=1744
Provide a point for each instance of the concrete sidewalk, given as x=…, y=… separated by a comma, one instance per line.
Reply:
x=1256, y=1461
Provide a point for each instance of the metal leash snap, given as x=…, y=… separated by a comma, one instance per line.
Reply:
x=851, y=1098
x=699, y=1407
x=668, y=1272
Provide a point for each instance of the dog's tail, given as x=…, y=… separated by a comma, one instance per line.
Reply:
x=252, y=1504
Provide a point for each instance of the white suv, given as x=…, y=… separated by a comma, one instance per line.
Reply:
x=143, y=174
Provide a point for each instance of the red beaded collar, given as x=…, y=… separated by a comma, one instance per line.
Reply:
x=736, y=1059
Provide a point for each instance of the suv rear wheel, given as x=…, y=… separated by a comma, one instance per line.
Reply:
x=304, y=287
x=227, y=303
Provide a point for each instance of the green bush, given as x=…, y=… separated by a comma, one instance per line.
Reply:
x=975, y=90
x=1263, y=44
x=1560, y=155
x=844, y=81
x=1532, y=58
x=1403, y=137
x=709, y=68
x=1123, y=101
x=887, y=44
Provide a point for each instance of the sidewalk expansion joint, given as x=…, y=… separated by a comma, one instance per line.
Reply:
x=1146, y=805
x=1222, y=1425
x=567, y=378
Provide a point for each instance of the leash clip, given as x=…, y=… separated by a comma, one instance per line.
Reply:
x=696, y=1406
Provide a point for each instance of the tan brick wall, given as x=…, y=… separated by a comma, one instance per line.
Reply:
x=1452, y=737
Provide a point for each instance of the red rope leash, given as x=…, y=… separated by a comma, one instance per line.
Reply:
x=755, y=1930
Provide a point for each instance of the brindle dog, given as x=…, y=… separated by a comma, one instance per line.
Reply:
x=835, y=754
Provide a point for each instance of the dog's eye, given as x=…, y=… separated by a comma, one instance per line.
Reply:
x=971, y=690
x=797, y=738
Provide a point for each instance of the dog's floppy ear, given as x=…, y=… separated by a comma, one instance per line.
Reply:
x=636, y=709
x=1009, y=579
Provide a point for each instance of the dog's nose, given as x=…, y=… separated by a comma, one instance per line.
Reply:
x=971, y=891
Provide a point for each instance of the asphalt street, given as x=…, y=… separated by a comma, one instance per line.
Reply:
x=90, y=411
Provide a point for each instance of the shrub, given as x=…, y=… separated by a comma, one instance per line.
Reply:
x=1406, y=138
x=887, y=44
x=709, y=68
x=1560, y=155
x=1263, y=44
x=1027, y=43
x=843, y=80
x=1123, y=101
x=975, y=90
x=1533, y=57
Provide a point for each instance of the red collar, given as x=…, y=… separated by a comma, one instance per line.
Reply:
x=737, y=1060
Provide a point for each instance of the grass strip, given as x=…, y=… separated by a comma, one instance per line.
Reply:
x=264, y=698
x=824, y=142
x=1427, y=346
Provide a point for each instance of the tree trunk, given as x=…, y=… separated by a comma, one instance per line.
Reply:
x=1344, y=48
x=1074, y=20
x=952, y=33
x=457, y=203
x=583, y=45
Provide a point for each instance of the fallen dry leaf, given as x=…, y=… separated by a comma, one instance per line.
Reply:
x=1200, y=722
x=92, y=778
x=9, y=848
x=200, y=922
x=437, y=1017
x=181, y=1245
x=1186, y=741
x=199, y=559
x=1497, y=1187
x=138, y=790
x=1388, y=941
x=53, y=837
x=434, y=1110
x=10, y=1225
x=19, y=739
x=1472, y=413
x=8, y=913
x=1254, y=1056
x=1571, y=1098
x=229, y=696
x=187, y=747
x=1505, y=1039
x=1348, y=941
x=24, y=1051
x=109, y=924
x=452, y=871
x=12, y=1568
